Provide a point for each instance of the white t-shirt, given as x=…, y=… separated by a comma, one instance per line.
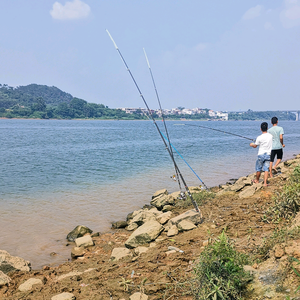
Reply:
x=264, y=141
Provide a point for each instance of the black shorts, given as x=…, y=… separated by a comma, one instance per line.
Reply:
x=278, y=153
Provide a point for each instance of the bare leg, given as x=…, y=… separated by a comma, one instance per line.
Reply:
x=256, y=180
x=277, y=163
x=271, y=164
x=266, y=178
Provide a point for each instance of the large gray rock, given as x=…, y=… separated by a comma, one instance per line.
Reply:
x=162, y=200
x=77, y=232
x=28, y=284
x=236, y=187
x=146, y=233
x=119, y=224
x=119, y=253
x=84, y=241
x=10, y=263
x=164, y=218
x=186, y=225
x=159, y=193
x=4, y=279
x=190, y=215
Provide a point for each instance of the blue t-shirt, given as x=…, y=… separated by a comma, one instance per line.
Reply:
x=276, y=131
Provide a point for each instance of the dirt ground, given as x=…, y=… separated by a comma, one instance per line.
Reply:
x=158, y=275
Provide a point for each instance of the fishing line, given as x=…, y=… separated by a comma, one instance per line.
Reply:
x=168, y=138
x=241, y=136
x=150, y=113
x=163, y=119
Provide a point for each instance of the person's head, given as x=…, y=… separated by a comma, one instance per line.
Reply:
x=264, y=126
x=274, y=120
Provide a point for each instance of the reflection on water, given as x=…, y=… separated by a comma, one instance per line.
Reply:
x=60, y=174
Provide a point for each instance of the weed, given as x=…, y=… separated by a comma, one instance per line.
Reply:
x=219, y=274
x=295, y=271
x=200, y=198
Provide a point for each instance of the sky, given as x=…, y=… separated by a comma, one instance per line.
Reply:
x=222, y=55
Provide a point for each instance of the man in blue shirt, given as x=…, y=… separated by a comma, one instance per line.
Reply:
x=277, y=144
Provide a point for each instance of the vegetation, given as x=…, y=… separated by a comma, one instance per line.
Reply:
x=261, y=115
x=219, y=273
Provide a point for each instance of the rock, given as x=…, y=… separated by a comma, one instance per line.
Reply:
x=162, y=200
x=278, y=251
x=205, y=243
x=4, y=279
x=236, y=187
x=164, y=218
x=140, y=250
x=170, y=252
x=119, y=253
x=28, y=284
x=167, y=208
x=77, y=232
x=84, y=241
x=248, y=191
x=138, y=296
x=175, y=195
x=190, y=215
x=64, y=296
x=10, y=263
x=132, y=226
x=185, y=225
x=172, y=231
x=159, y=193
x=144, y=234
x=77, y=252
x=143, y=217
x=119, y=224
x=95, y=234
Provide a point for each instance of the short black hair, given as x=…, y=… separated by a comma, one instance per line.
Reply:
x=264, y=126
x=274, y=120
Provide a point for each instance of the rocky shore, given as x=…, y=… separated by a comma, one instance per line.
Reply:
x=151, y=254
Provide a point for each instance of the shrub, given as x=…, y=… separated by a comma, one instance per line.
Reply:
x=219, y=274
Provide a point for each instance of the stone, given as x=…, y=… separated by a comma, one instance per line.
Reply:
x=170, y=252
x=119, y=253
x=159, y=193
x=185, y=225
x=205, y=243
x=190, y=215
x=248, y=192
x=10, y=263
x=132, y=226
x=278, y=251
x=144, y=234
x=140, y=250
x=84, y=241
x=162, y=200
x=77, y=232
x=64, y=296
x=167, y=208
x=28, y=284
x=164, y=218
x=77, y=252
x=119, y=224
x=4, y=279
x=172, y=231
x=138, y=296
x=236, y=187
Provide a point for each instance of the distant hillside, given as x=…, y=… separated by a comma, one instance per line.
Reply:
x=27, y=95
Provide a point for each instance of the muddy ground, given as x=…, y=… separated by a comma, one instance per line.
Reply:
x=158, y=275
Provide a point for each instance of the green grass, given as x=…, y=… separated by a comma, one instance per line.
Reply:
x=219, y=274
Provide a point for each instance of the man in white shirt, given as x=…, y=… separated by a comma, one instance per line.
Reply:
x=264, y=141
x=277, y=144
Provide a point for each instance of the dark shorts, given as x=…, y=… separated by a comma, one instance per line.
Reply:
x=278, y=153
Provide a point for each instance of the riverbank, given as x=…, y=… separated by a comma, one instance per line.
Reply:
x=159, y=271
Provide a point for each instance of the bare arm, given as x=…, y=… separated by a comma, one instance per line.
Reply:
x=281, y=140
x=253, y=145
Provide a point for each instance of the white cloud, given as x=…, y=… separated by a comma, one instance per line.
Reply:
x=290, y=16
x=70, y=11
x=268, y=26
x=253, y=12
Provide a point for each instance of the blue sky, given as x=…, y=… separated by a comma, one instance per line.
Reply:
x=223, y=55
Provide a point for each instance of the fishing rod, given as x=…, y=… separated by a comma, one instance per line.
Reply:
x=163, y=119
x=241, y=136
x=150, y=113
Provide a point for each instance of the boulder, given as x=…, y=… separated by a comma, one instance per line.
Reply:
x=119, y=224
x=164, y=218
x=64, y=296
x=4, y=279
x=84, y=241
x=77, y=232
x=162, y=200
x=28, y=284
x=248, y=191
x=172, y=231
x=167, y=208
x=143, y=217
x=159, y=193
x=144, y=234
x=119, y=253
x=186, y=225
x=236, y=187
x=190, y=215
x=10, y=263
x=77, y=252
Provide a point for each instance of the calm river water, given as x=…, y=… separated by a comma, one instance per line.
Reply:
x=58, y=174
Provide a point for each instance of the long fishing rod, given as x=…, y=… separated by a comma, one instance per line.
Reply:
x=168, y=138
x=241, y=136
x=150, y=113
x=163, y=119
